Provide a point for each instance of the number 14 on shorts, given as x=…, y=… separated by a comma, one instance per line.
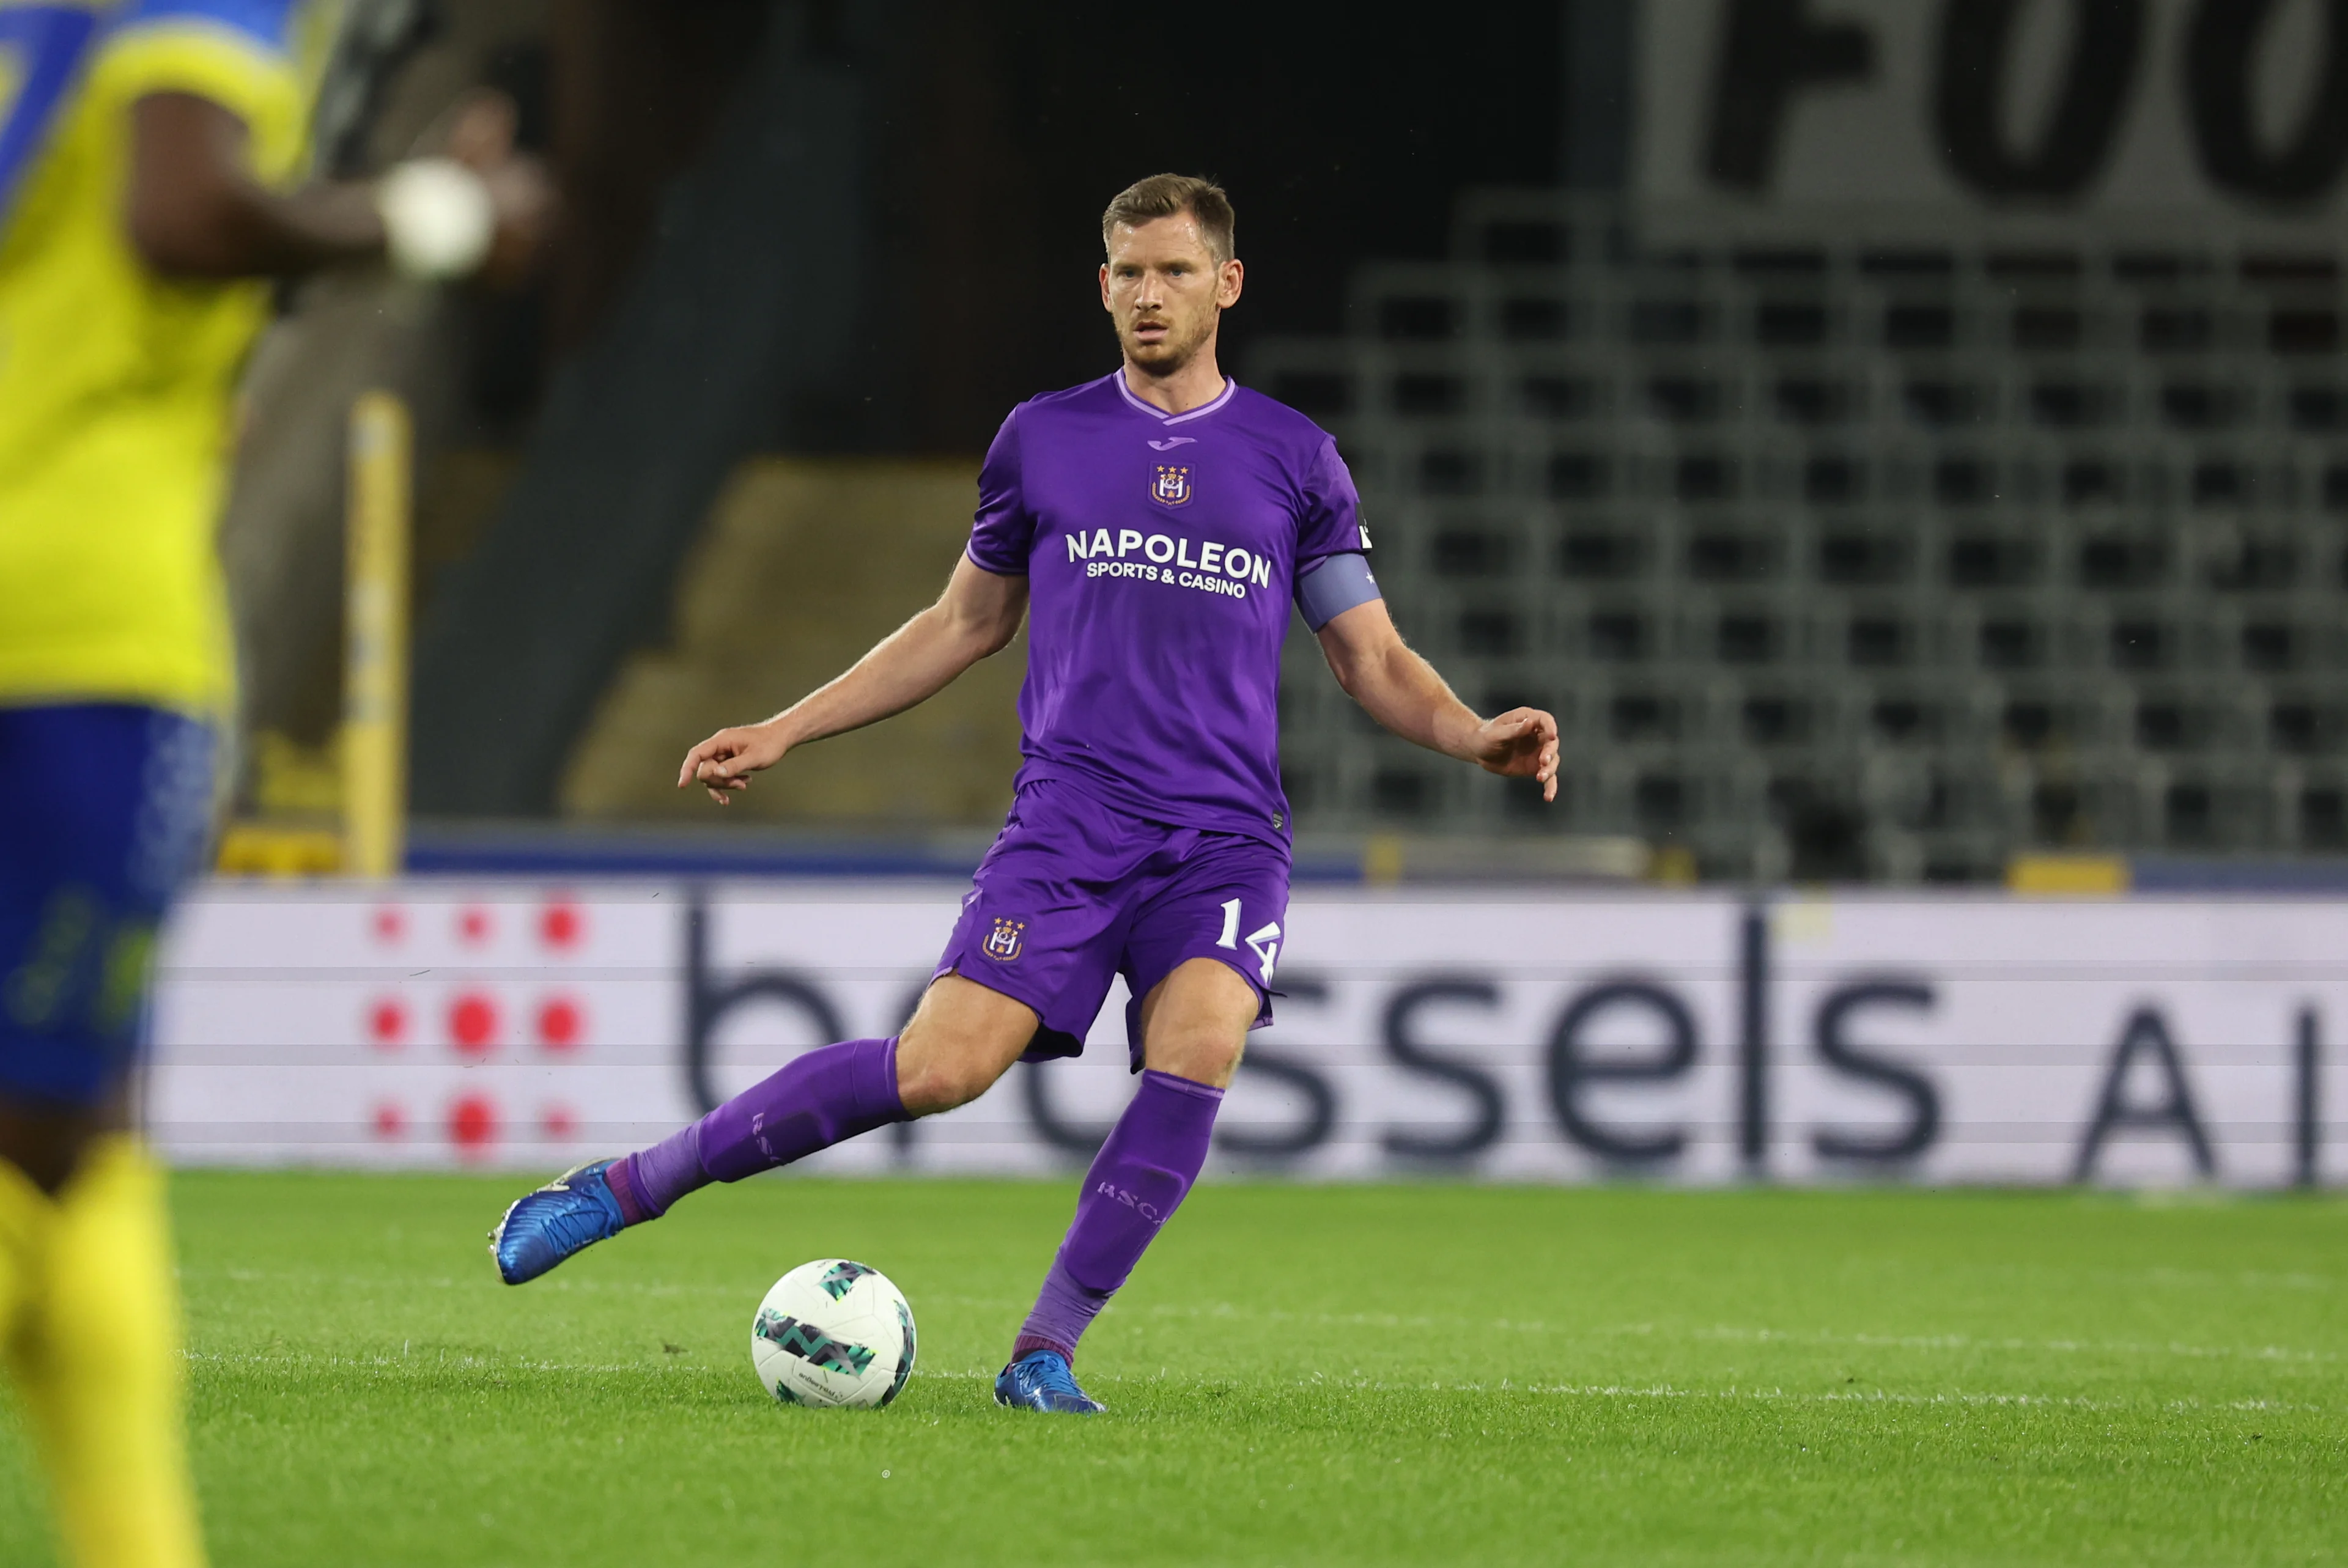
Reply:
x=1263, y=942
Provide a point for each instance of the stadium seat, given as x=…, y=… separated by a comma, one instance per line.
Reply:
x=1993, y=548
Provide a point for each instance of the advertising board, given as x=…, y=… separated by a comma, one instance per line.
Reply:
x=1482, y=1033
x=2191, y=112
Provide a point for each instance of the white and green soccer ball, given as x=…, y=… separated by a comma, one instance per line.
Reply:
x=832, y=1332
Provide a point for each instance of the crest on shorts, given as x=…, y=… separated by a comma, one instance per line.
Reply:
x=1003, y=942
x=1171, y=487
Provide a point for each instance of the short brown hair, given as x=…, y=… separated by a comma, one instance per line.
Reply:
x=1166, y=195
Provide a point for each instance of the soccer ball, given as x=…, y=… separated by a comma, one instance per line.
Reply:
x=832, y=1332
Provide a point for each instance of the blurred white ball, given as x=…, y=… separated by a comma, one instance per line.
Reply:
x=437, y=217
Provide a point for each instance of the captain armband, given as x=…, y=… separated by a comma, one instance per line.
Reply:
x=1331, y=587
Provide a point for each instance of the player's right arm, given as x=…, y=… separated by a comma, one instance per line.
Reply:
x=978, y=615
x=196, y=207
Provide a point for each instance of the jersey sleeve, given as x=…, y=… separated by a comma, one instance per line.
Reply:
x=244, y=54
x=1331, y=520
x=1003, y=535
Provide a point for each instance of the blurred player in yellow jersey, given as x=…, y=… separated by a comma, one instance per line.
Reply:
x=149, y=154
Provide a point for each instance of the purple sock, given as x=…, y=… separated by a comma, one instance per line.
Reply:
x=1136, y=1183
x=822, y=1098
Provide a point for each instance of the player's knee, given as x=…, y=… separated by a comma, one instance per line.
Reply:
x=960, y=1040
x=933, y=1077
x=1206, y=1056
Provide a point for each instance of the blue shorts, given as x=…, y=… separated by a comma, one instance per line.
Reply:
x=1075, y=893
x=104, y=811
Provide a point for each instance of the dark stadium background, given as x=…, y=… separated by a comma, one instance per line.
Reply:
x=855, y=234
x=937, y=270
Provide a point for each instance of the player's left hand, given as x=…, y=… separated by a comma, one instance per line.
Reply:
x=1519, y=743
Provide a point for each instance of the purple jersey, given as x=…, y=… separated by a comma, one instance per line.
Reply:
x=1162, y=553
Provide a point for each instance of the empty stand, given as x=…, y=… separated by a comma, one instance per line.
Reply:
x=1901, y=557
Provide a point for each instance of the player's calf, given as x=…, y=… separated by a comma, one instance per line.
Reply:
x=827, y=1096
x=959, y=1046
x=1194, y=1023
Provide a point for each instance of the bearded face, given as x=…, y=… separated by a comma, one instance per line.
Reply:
x=1165, y=291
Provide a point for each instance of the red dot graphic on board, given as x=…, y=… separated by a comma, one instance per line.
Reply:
x=562, y=925
x=560, y=1121
x=562, y=1023
x=390, y=1121
x=473, y=1123
x=473, y=1023
x=387, y=1023
x=473, y=926
x=390, y=924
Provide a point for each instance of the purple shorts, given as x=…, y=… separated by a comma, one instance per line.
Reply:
x=1075, y=893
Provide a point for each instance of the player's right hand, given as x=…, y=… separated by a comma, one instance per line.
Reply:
x=724, y=761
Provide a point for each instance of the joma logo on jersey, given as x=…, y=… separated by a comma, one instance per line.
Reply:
x=1003, y=943
x=1172, y=485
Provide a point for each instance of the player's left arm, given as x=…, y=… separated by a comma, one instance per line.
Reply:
x=1402, y=691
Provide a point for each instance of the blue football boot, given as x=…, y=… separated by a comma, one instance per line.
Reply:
x=570, y=1214
x=1043, y=1380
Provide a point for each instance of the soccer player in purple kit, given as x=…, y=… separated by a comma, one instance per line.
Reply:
x=1154, y=526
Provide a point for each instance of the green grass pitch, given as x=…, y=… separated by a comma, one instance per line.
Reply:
x=1348, y=1375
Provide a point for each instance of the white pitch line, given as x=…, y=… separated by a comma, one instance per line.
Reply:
x=1773, y=1395
x=2277, y=1353
x=2273, y=1354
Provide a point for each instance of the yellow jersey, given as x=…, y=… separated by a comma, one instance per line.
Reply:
x=116, y=384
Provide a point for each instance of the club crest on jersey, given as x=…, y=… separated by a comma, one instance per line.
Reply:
x=1003, y=943
x=1171, y=487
